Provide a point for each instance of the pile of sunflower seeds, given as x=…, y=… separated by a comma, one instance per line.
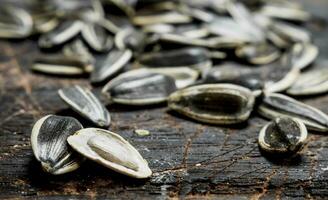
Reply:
x=202, y=58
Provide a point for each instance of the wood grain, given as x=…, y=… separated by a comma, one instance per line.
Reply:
x=189, y=160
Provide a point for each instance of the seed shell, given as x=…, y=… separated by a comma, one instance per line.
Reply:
x=15, y=22
x=302, y=55
x=193, y=57
x=259, y=54
x=110, y=150
x=183, y=76
x=61, y=65
x=140, y=88
x=112, y=64
x=278, y=105
x=310, y=83
x=49, y=144
x=169, y=17
x=63, y=32
x=97, y=37
x=234, y=74
x=131, y=39
x=283, y=136
x=214, y=103
x=84, y=102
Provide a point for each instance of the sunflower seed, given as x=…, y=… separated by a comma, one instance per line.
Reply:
x=302, y=55
x=125, y=5
x=45, y=22
x=86, y=104
x=131, y=39
x=49, y=144
x=278, y=105
x=15, y=22
x=233, y=74
x=61, y=65
x=109, y=25
x=285, y=13
x=290, y=32
x=214, y=103
x=273, y=36
x=110, y=150
x=97, y=37
x=112, y=64
x=310, y=83
x=192, y=31
x=259, y=54
x=175, y=38
x=197, y=13
x=245, y=19
x=167, y=17
x=64, y=32
x=283, y=136
x=140, y=88
x=225, y=26
x=290, y=75
x=77, y=48
x=196, y=58
x=158, y=28
x=183, y=76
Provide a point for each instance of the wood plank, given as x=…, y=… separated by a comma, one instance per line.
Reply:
x=188, y=158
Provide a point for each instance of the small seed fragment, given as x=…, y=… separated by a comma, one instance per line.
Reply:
x=142, y=132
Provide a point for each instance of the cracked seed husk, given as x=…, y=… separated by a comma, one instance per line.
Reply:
x=110, y=150
x=283, y=136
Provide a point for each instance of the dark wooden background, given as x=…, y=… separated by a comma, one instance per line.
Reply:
x=188, y=159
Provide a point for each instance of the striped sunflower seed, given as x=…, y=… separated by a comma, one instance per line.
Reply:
x=214, y=103
x=110, y=150
x=278, y=105
x=50, y=147
x=84, y=102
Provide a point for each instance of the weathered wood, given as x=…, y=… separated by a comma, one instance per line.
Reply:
x=188, y=158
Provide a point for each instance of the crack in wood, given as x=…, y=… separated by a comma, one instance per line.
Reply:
x=266, y=184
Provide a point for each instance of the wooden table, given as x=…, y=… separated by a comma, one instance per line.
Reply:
x=188, y=159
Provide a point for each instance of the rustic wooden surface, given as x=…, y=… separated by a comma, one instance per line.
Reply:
x=188, y=159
